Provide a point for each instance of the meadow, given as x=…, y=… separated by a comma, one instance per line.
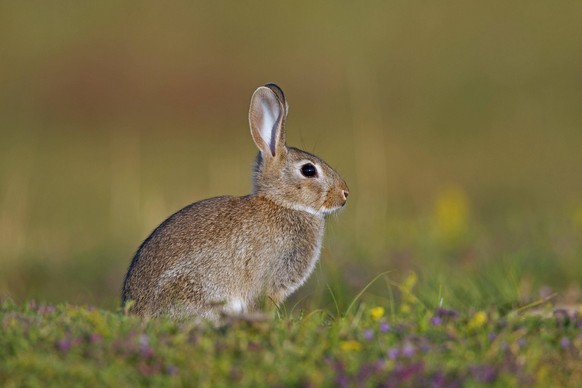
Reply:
x=457, y=261
x=414, y=346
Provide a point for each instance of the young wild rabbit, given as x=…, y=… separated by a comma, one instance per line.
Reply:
x=221, y=255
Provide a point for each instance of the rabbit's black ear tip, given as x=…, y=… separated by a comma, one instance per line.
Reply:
x=277, y=90
x=274, y=87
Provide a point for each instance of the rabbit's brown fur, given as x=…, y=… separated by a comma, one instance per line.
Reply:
x=221, y=255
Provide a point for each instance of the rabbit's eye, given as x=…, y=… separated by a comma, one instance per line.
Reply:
x=308, y=170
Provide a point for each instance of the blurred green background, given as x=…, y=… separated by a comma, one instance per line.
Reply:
x=457, y=125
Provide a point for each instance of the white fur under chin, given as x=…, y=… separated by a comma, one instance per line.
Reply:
x=307, y=209
x=318, y=213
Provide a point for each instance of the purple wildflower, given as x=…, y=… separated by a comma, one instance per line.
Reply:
x=445, y=313
x=146, y=352
x=144, y=340
x=438, y=380
x=368, y=334
x=393, y=353
x=565, y=342
x=172, y=370
x=384, y=327
x=491, y=336
x=408, y=350
x=405, y=372
x=436, y=320
x=46, y=309
x=342, y=380
x=484, y=373
x=144, y=347
x=341, y=377
x=64, y=345
x=366, y=371
x=425, y=347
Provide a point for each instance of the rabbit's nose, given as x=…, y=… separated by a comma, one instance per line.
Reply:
x=345, y=194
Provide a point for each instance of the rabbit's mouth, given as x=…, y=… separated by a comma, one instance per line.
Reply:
x=332, y=205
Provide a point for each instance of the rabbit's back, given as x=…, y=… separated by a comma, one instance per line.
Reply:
x=219, y=251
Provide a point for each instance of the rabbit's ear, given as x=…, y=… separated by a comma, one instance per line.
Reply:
x=266, y=119
x=281, y=96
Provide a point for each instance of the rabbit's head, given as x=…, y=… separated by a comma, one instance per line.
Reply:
x=285, y=175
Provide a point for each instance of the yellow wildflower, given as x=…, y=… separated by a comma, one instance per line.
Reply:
x=410, y=281
x=377, y=312
x=407, y=288
x=405, y=308
x=350, y=346
x=451, y=213
x=477, y=320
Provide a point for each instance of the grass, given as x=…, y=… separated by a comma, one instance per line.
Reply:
x=461, y=146
x=403, y=344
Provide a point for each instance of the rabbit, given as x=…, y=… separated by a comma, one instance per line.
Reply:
x=218, y=257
